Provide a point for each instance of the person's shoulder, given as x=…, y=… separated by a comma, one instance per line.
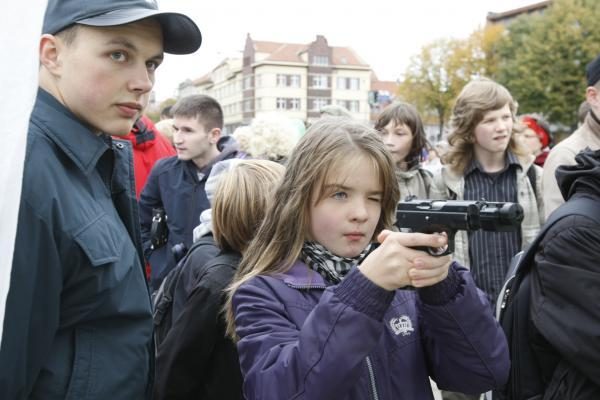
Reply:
x=167, y=164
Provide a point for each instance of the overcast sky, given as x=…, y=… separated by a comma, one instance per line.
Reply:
x=385, y=33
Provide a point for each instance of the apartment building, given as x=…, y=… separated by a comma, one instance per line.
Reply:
x=294, y=79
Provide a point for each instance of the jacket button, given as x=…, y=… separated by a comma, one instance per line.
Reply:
x=120, y=145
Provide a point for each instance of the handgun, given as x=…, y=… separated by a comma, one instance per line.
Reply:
x=450, y=216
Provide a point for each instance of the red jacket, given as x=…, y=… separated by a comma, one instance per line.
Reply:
x=149, y=146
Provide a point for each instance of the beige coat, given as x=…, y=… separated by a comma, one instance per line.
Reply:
x=588, y=135
x=447, y=182
x=415, y=182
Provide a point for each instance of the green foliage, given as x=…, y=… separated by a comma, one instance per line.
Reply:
x=436, y=75
x=543, y=58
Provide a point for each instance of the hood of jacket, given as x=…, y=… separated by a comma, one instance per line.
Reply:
x=581, y=177
x=142, y=134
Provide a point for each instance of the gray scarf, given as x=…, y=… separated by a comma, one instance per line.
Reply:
x=331, y=267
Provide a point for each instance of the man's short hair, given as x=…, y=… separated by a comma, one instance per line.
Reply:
x=205, y=108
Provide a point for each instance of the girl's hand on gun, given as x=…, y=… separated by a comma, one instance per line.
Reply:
x=396, y=263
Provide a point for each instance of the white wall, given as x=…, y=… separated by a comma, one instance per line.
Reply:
x=18, y=80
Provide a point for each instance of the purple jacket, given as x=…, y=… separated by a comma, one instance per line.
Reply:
x=300, y=339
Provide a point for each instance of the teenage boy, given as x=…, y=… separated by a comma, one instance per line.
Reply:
x=78, y=321
x=586, y=136
x=485, y=161
x=176, y=184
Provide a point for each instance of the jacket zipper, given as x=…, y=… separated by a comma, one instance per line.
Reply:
x=295, y=286
x=372, y=378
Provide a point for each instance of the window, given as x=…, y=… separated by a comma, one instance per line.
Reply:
x=320, y=60
x=320, y=82
x=247, y=105
x=258, y=104
x=317, y=104
x=294, y=104
x=247, y=82
x=281, y=80
x=258, y=81
x=295, y=81
x=348, y=83
x=350, y=105
x=281, y=103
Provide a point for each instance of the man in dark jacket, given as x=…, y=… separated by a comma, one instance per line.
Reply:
x=565, y=291
x=78, y=323
x=176, y=184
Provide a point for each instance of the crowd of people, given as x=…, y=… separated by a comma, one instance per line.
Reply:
x=171, y=261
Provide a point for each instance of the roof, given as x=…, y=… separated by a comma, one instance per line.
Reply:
x=292, y=52
x=495, y=17
x=389, y=86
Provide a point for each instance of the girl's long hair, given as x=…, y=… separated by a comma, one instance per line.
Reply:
x=329, y=144
x=477, y=98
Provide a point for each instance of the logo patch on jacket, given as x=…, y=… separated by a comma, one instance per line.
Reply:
x=402, y=325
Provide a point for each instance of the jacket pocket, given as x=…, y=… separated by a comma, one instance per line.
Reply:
x=83, y=374
x=99, y=240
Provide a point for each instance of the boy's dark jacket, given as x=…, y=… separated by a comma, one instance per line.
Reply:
x=566, y=292
x=178, y=187
x=78, y=322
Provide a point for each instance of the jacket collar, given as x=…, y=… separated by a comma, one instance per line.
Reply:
x=300, y=276
x=74, y=138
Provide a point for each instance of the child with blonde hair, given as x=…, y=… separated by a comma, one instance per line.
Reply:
x=196, y=355
x=319, y=313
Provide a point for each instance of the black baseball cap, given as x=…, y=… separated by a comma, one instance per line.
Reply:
x=180, y=34
x=592, y=71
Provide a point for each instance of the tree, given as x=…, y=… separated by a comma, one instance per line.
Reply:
x=543, y=58
x=436, y=75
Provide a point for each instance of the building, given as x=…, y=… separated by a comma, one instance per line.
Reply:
x=506, y=17
x=294, y=79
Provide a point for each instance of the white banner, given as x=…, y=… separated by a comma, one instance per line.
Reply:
x=20, y=27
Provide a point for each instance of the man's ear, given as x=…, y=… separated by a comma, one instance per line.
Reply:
x=50, y=49
x=592, y=96
x=215, y=135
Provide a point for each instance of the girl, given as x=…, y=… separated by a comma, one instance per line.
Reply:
x=401, y=129
x=318, y=315
x=196, y=359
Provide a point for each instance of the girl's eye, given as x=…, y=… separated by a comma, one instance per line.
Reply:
x=375, y=199
x=340, y=195
x=118, y=56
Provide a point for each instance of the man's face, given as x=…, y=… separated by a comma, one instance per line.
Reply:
x=493, y=132
x=192, y=141
x=106, y=74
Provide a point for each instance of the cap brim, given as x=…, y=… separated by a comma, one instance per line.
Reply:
x=180, y=34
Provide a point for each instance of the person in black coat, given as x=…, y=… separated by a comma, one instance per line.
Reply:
x=565, y=292
x=196, y=360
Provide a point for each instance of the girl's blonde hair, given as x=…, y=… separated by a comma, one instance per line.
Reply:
x=240, y=201
x=477, y=98
x=329, y=144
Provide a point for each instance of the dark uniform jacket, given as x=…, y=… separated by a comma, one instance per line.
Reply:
x=565, y=292
x=78, y=321
x=177, y=186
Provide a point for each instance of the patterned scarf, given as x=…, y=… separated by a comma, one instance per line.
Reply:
x=331, y=267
